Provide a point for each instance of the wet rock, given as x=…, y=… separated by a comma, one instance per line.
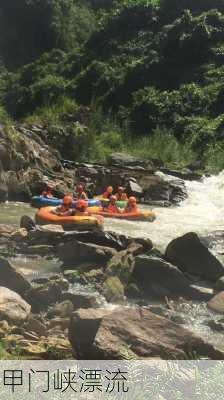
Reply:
x=190, y=255
x=41, y=250
x=113, y=290
x=27, y=223
x=216, y=325
x=135, y=189
x=76, y=253
x=80, y=300
x=109, y=335
x=160, y=187
x=219, y=286
x=62, y=283
x=121, y=265
x=43, y=296
x=12, y=279
x=19, y=235
x=46, y=235
x=72, y=276
x=12, y=307
x=217, y=303
x=158, y=278
x=64, y=309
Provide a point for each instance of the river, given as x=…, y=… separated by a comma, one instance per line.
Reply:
x=202, y=212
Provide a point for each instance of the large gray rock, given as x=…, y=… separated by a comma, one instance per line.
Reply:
x=159, y=278
x=160, y=187
x=76, y=253
x=137, y=333
x=12, y=307
x=12, y=279
x=190, y=255
x=42, y=296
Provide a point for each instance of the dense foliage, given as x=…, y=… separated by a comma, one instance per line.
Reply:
x=155, y=66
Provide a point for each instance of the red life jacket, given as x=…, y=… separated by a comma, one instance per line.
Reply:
x=112, y=208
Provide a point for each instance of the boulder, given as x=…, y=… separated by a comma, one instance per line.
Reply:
x=217, y=303
x=160, y=187
x=83, y=329
x=76, y=253
x=158, y=278
x=135, y=189
x=12, y=279
x=190, y=255
x=121, y=265
x=12, y=307
x=123, y=159
x=113, y=335
x=219, y=285
x=43, y=295
x=40, y=250
x=27, y=223
x=64, y=309
x=80, y=300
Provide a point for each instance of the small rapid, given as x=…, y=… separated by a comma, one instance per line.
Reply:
x=202, y=212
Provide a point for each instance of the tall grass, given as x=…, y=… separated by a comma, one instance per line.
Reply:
x=102, y=136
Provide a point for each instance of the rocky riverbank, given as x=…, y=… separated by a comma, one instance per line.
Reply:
x=27, y=163
x=44, y=318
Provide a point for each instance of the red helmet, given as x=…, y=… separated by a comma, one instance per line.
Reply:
x=67, y=200
x=110, y=189
x=79, y=188
x=81, y=205
x=120, y=189
x=132, y=200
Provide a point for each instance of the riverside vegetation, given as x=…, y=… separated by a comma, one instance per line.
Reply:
x=144, y=76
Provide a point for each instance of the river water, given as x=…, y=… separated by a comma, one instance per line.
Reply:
x=202, y=212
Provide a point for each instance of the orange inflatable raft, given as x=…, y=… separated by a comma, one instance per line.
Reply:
x=138, y=216
x=44, y=216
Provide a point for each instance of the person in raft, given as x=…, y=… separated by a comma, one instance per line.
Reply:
x=48, y=193
x=80, y=194
x=108, y=193
x=112, y=207
x=121, y=195
x=81, y=208
x=65, y=210
x=131, y=207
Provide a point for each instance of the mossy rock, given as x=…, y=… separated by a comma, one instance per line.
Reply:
x=113, y=290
